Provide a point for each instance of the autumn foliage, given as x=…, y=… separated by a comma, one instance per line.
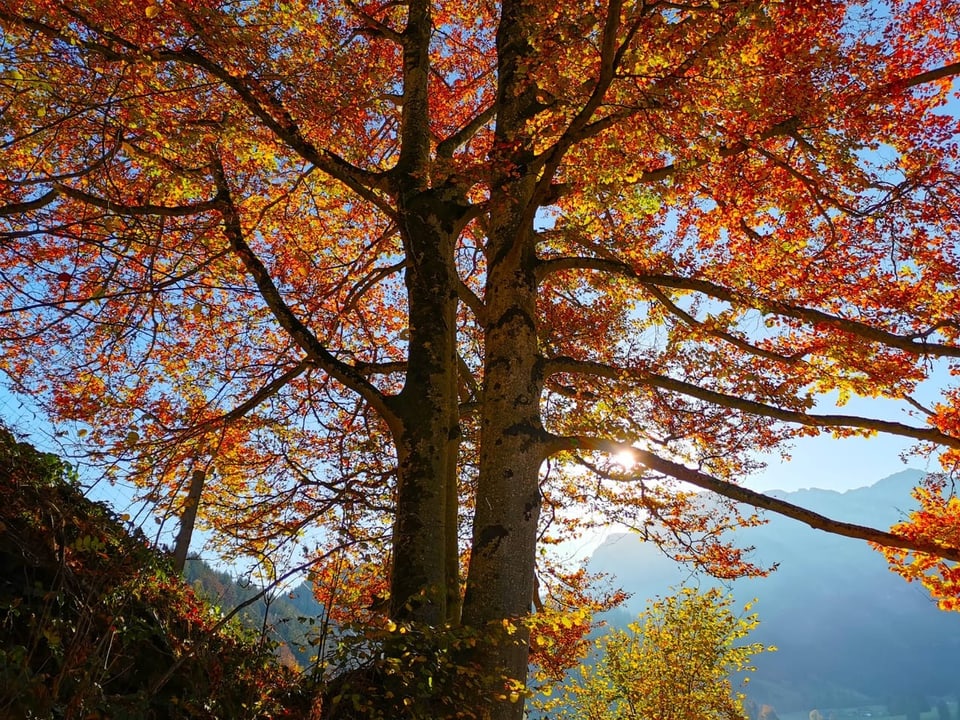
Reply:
x=934, y=521
x=685, y=658
x=404, y=281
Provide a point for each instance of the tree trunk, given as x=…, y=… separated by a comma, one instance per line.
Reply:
x=429, y=221
x=188, y=519
x=500, y=580
x=424, y=578
x=501, y=575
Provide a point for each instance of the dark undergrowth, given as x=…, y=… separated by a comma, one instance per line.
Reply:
x=94, y=623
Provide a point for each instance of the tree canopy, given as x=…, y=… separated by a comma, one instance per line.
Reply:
x=421, y=276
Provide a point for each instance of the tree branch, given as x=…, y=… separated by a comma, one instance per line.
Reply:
x=35, y=204
x=469, y=298
x=449, y=145
x=146, y=209
x=551, y=266
x=299, y=333
x=752, y=407
x=258, y=397
x=279, y=120
x=810, y=315
x=737, y=342
x=751, y=497
x=922, y=78
x=908, y=343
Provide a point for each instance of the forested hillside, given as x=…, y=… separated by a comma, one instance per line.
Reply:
x=94, y=623
x=291, y=618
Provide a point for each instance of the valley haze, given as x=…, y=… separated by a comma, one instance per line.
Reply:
x=848, y=631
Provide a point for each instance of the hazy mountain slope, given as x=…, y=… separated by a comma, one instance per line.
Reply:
x=290, y=616
x=847, y=628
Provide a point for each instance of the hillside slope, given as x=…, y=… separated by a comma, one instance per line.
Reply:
x=292, y=619
x=94, y=625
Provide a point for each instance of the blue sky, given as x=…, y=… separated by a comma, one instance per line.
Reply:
x=844, y=464
x=838, y=464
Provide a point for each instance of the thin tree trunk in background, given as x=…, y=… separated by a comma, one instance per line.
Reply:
x=188, y=519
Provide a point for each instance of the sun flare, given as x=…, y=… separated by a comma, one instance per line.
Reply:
x=626, y=459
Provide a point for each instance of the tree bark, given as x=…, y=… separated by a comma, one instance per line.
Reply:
x=501, y=574
x=424, y=578
x=188, y=519
x=424, y=582
x=500, y=581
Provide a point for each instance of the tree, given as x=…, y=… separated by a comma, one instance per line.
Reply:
x=675, y=661
x=943, y=710
x=909, y=704
x=934, y=520
x=407, y=274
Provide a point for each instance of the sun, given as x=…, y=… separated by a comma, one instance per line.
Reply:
x=625, y=459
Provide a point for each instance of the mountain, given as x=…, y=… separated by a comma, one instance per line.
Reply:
x=848, y=631
x=290, y=618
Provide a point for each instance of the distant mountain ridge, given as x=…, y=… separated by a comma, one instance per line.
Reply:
x=290, y=618
x=848, y=630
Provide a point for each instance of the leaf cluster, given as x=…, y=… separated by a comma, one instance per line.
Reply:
x=414, y=670
x=677, y=661
x=934, y=522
